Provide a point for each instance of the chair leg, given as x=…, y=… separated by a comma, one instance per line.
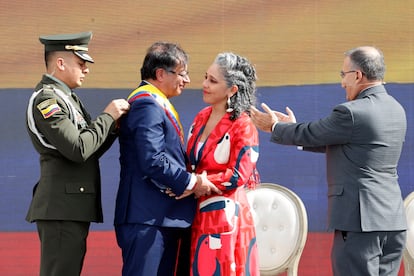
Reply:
x=293, y=269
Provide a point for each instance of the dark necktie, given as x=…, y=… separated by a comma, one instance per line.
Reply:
x=82, y=108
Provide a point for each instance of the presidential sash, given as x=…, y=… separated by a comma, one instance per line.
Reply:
x=148, y=90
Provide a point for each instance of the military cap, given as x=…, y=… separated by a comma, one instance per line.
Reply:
x=77, y=43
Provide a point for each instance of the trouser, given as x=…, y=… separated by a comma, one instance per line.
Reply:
x=367, y=253
x=62, y=247
x=149, y=250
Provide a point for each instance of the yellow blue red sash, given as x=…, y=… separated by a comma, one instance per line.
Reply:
x=145, y=90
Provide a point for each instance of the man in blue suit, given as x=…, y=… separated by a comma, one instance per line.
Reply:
x=362, y=140
x=152, y=227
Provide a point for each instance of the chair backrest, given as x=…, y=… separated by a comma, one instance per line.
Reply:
x=281, y=228
x=409, y=248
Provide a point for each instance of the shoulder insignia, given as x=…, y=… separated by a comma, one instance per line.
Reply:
x=47, y=89
x=48, y=107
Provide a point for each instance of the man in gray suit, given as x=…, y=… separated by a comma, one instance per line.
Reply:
x=362, y=139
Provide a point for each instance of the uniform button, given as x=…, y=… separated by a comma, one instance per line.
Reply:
x=81, y=189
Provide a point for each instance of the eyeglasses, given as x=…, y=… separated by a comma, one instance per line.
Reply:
x=342, y=73
x=182, y=74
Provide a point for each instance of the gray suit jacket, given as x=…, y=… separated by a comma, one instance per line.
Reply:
x=362, y=140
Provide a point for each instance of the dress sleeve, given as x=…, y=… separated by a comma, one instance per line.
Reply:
x=243, y=155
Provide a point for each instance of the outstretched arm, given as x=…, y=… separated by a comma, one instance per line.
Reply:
x=266, y=120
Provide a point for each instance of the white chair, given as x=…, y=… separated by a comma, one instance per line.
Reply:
x=408, y=257
x=281, y=228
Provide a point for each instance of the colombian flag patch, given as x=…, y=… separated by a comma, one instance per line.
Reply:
x=48, y=108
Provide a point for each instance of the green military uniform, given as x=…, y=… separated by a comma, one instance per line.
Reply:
x=69, y=144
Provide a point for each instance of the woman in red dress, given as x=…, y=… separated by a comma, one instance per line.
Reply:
x=223, y=142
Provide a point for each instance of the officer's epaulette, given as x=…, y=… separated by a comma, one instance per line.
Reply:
x=47, y=88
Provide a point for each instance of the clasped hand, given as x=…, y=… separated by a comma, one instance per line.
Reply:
x=202, y=187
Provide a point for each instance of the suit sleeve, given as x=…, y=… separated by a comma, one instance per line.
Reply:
x=333, y=130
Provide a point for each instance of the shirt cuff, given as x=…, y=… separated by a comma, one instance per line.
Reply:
x=193, y=181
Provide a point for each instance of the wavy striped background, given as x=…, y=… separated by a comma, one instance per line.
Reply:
x=291, y=42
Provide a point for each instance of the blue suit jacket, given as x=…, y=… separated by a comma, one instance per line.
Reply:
x=362, y=140
x=152, y=158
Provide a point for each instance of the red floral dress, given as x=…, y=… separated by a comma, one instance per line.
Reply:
x=223, y=240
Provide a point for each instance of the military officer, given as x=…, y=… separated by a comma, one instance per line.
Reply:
x=67, y=197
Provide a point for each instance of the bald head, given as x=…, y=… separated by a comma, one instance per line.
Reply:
x=369, y=60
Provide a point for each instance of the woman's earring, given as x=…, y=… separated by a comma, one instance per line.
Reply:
x=229, y=109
